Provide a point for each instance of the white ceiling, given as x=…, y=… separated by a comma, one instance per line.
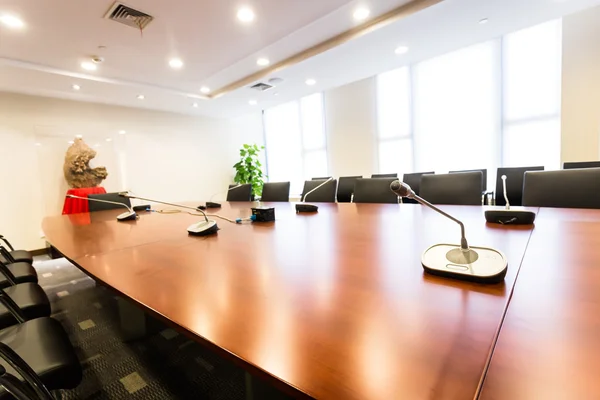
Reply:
x=44, y=58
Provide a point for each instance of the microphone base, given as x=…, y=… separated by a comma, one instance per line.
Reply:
x=127, y=216
x=478, y=264
x=306, y=208
x=203, y=228
x=510, y=217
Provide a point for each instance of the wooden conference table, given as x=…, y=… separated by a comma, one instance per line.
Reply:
x=335, y=305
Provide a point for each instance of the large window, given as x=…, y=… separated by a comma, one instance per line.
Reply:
x=296, y=141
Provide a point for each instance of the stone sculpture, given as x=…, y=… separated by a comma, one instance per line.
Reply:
x=77, y=170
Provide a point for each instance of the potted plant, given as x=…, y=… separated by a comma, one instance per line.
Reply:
x=249, y=168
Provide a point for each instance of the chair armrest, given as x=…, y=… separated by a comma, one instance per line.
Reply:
x=6, y=254
x=5, y=240
x=25, y=371
x=15, y=387
x=7, y=274
x=484, y=197
x=12, y=307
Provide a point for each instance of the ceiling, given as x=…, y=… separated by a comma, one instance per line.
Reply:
x=44, y=57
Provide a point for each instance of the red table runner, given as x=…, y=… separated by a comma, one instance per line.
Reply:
x=76, y=206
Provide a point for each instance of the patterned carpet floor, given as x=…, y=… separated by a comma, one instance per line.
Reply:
x=164, y=365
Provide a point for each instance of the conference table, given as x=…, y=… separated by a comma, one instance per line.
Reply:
x=335, y=304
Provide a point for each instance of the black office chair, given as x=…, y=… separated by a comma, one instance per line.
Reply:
x=324, y=178
x=20, y=390
x=461, y=189
x=22, y=302
x=581, y=164
x=514, y=184
x=346, y=188
x=15, y=255
x=374, y=190
x=483, y=176
x=240, y=193
x=568, y=188
x=276, y=191
x=324, y=194
x=414, y=181
x=14, y=273
x=98, y=206
x=41, y=348
x=377, y=176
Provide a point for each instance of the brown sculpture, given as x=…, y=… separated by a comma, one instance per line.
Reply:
x=77, y=170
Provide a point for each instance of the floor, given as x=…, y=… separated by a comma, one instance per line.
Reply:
x=164, y=365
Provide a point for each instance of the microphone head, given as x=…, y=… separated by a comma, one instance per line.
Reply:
x=401, y=189
x=503, y=177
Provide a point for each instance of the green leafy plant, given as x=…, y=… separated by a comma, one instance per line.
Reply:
x=249, y=168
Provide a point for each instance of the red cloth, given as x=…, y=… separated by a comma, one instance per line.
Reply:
x=76, y=206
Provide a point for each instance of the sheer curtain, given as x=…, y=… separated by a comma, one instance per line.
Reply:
x=296, y=144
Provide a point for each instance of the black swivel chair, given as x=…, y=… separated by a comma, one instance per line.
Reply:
x=324, y=194
x=15, y=255
x=14, y=273
x=346, y=188
x=323, y=178
x=240, y=193
x=568, y=188
x=460, y=189
x=22, y=302
x=377, y=176
x=374, y=190
x=99, y=206
x=414, y=181
x=483, y=176
x=581, y=164
x=276, y=191
x=514, y=184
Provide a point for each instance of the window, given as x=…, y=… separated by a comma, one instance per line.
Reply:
x=296, y=141
x=532, y=83
x=394, y=123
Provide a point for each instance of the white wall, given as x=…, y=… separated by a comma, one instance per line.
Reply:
x=581, y=86
x=163, y=155
x=351, y=118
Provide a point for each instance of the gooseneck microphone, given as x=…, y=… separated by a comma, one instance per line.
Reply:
x=211, y=204
x=206, y=227
x=303, y=207
x=478, y=264
x=508, y=216
x=126, y=216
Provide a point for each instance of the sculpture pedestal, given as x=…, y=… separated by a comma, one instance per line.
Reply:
x=76, y=206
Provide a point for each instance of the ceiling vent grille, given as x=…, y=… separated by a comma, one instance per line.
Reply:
x=261, y=87
x=126, y=15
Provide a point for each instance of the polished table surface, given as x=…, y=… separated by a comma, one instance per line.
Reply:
x=549, y=344
x=333, y=305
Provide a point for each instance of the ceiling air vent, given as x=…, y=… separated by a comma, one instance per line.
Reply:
x=123, y=14
x=261, y=87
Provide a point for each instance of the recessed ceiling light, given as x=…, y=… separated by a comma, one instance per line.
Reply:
x=175, y=63
x=205, y=89
x=483, y=21
x=122, y=132
x=245, y=14
x=141, y=97
x=76, y=87
x=70, y=142
x=401, y=50
x=78, y=136
x=89, y=66
x=12, y=21
x=253, y=102
x=311, y=82
x=109, y=139
x=195, y=105
x=263, y=62
x=362, y=13
x=38, y=144
x=97, y=145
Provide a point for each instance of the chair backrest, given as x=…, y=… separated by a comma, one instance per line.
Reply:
x=461, y=189
x=240, y=193
x=276, y=191
x=323, y=178
x=581, y=164
x=346, y=188
x=99, y=206
x=374, y=190
x=568, y=188
x=514, y=184
x=324, y=194
x=414, y=181
x=377, y=176
x=483, y=176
